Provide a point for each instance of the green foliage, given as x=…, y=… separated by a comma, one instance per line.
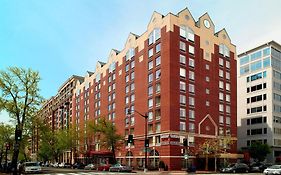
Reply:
x=259, y=151
x=109, y=138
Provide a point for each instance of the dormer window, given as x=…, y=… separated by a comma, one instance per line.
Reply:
x=224, y=50
x=130, y=53
x=187, y=33
x=154, y=36
x=112, y=66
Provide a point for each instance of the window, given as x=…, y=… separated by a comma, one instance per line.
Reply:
x=150, y=90
x=221, y=119
x=150, y=116
x=227, y=86
x=244, y=60
x=191, y=101
x=227, y=97
x=127, y=68
x=182, y=59
x=182, y=72
x=256, y=66
x=158, y=48
x=132, y=86
x=191, y=127
x=187, y=33
x=221, y=73
x=154, y=36
x=150, y=103
x=207, y=79
x=227, y=64
x=220, y=61
x=132, y=64
x=127, y=100
x=158, y=61
x=266, y=52
x=150, y=65
x=191, y=114
x=221, y=108
x=223, y=49
x=256, y=55
x=191, y=75
x=227, y=75
x=182, y=86
x=132, y=120
x=150, y=52
x=157, y=127
x=132, y=98
x=221, y=96
x=207, y=103
x=221, y=84
x=182, y=46
x=182, y=113
x=157, y=87
x=191, y=62
x=182, y=99
x=191, y=50
x=266, y=62
x=150, y=78
x=207, y=91
x=130, y=53
x=182, y=126
x=227, y=109
x=191, y=88
x=132, y=75
x=127, y=78
x=207, y=67
x=157, y=74
x=227, y=120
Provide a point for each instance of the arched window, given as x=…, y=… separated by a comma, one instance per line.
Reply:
x=224, y=50
x=187, y=33
x=154, y=153
x=129, y=154
x=154, y=36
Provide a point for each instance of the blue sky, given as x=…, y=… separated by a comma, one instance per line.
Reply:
x=60, y=38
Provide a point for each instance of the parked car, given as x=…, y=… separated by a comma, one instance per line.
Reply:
x=31, y=167
x=61, y=165
x=274, y=169
x=259, y=166
x=78, y=166
x=90, y=167
x=235, y=168
x=120, y=168
x=103, y=167
x=55, y=165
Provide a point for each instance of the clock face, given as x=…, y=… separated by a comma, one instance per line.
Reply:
x=207, y=23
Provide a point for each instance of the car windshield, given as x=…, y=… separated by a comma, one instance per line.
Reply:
x=31, y=164
x=275, y=167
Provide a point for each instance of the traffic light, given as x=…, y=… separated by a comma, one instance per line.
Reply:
x=130, y=139
x=146, y=143
x=185, y=142
x=18, y=134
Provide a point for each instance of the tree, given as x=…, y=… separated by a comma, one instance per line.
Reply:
x=109, y=138
x=6, y=131
x=214, y=147
x=20, y=98
x=259, y=151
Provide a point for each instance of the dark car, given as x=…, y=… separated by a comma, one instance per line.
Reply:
x=259, y=166
x=78, y=166
x=120, y=168
x=236, y=168
x=103, y=167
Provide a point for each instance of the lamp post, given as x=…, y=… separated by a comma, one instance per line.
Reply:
x=145, y=116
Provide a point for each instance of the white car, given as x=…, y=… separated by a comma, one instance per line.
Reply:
x=274, y=169
x=31, y=167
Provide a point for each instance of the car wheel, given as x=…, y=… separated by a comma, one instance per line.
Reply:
x=247, y=171
x=233, y=171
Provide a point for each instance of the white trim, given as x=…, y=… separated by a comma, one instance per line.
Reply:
x=212, y=121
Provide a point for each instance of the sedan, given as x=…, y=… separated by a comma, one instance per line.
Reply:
x=120, y=168
x=31, y=167
x=103, y=167
x=274, y=169
x=235, y=168
x=90, y=167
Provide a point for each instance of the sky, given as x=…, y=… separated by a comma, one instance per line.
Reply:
x=60, y=38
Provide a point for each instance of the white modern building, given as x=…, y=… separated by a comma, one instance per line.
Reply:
x=259, y=98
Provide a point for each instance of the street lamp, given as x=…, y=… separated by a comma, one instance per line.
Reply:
x=145, y=116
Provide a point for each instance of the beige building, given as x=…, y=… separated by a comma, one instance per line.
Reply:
x=259, y=98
